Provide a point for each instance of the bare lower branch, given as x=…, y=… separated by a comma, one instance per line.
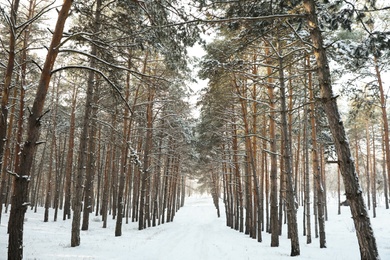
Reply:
x=101, y=74
x=111, y=65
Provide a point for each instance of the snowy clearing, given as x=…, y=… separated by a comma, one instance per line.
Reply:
x=196, y=233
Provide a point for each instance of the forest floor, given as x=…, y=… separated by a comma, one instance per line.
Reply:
x=195, y=233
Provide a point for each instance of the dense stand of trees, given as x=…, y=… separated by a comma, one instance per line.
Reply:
x=281, y=139
x=101, y=125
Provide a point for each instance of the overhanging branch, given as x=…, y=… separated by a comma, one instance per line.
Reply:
x=101, y=74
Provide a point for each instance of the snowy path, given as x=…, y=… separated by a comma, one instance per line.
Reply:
x=195, y=234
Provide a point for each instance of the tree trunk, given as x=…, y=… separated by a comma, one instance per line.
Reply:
x=106, y=186
x=69, y=157
x=157, y=178
x=57, y=203
x=240, y=202
x=368, y=166
x=5, y=93
x=101, y=151
x=385, y=187
x=166, y=179
x=145, y=175
x=8, y=77
x=290, y=193
x=53, y=145
x=6, y=157
x=364, y=232
x=274, y=168
x=250, y=166
x=263, y=172
x=123, y=169
x=339, y=190
x=307, y=215
x=19, y=197
x=266, y=177
x=373, y=174
x=82, y=163
x=385, y=121
x=114, y=170
x=136, y=188
x=91, y=165
x=316, y=166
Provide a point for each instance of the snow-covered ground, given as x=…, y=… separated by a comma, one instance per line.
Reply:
x=196, y=233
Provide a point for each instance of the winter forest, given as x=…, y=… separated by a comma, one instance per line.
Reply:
x=117, y=113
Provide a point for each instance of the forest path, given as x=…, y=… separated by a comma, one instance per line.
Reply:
x=195, y=234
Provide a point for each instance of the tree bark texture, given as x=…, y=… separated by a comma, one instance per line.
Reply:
x=274, y=223
x=364, y=232
x=20, y=194
x=319, y=185
x=69, y=157
x=82, y=159
x=290, y=194
x=385, y=125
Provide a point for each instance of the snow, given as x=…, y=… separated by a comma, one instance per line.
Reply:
x=195, y=233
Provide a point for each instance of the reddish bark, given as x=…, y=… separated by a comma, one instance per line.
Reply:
x=20, y=195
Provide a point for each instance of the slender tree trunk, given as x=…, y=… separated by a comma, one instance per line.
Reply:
x=6, y=158
x=114, y=171
x=225, y=185
x=282, y=186
x=57, y=204
x=316, y=166
x=339, y=190
x=8, y=77
x=183, y=190
x=91, y=161
x=123, y=169
x=250, y=165
x=100, y=162
x=69, y=157
x=307, y=205
x=106, y=186
x=323, y=179
x=145, y=175
x=19, y=132
x=357, y=150
x=290, y=194
x=368, y=167
x=364, y=232
x=49, y=184
x=136, y=188
x=274, y=170
x=83, y=150
x=5, y=93
x=38, y=176
x=157, y=178
x=19, y=197
x=263, y=172
x=266, y=177
x=385, y=187
x=254, y=163
x=166, y=184
x=373, y=173
x=384, y=119
x=240, y=200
